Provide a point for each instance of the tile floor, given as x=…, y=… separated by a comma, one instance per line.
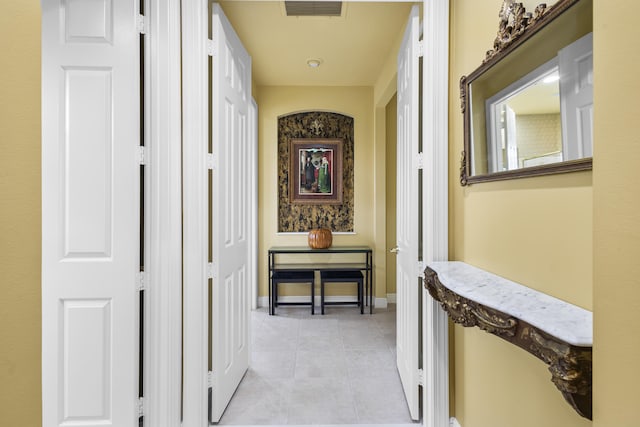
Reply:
x=333, y=369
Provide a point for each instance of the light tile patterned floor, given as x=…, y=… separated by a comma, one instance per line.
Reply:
x=336, y=369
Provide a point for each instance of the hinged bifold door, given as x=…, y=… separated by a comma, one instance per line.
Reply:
x=231, y=205
x=90, y=212
x=407, y=282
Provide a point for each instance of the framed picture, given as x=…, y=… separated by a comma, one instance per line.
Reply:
x=315, y=171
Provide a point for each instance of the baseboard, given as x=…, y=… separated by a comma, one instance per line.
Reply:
x=380, y=302
x=391, y=298
x=453, y=422
x=264, y=301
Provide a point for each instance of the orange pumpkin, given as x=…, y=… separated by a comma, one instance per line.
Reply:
x=320, y=238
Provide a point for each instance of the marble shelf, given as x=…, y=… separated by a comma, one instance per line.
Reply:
x=556, y=332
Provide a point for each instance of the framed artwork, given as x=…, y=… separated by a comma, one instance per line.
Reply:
x=315, y=171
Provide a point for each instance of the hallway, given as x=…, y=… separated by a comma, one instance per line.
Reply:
x=333, y=369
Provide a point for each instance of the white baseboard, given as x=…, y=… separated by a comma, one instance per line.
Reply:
x=380, y=302
x=453, y=422
x=391, y=298
x=264, y=301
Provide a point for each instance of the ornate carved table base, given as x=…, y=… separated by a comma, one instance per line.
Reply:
x=570, y=366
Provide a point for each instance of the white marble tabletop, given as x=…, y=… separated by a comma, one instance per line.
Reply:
x=558, y=318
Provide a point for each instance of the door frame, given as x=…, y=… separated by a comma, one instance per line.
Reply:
x=195, y=112
x=163, y=310
x=435, y=221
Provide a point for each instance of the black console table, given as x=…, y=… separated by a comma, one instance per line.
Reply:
x=366, y=265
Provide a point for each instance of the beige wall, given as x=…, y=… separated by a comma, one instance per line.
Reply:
x=20, y=391
x=356, y=102
x=536, y=231
x=616, y=214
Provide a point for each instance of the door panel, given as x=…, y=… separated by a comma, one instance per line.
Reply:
x=408, y=289
x=90, y=212
x=576, y=96
x=229, y=193
x=86, y=347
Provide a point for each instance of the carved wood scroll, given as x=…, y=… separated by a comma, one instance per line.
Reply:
x=570, y=366
x=514, y=21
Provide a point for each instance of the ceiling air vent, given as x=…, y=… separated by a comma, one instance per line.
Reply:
x=313, y=8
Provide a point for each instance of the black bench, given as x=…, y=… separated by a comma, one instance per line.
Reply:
x=299, y=276
x=342, y=276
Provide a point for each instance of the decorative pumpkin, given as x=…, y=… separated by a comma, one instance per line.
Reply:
x=320, y=238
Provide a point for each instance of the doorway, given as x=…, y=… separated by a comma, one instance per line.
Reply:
x=341, y=354
x=435, y=375
x=356, y=101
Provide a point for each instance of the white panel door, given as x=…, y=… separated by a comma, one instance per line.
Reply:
x=407, y=284
x=90, y=212
x=576, y=97
x=512, y=139
x=231, y=204
x=253, y=194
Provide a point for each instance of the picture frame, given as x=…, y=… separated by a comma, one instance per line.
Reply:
x=315, y=171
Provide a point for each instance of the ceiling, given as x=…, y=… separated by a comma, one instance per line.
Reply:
x=352, y=48
x=539, y=98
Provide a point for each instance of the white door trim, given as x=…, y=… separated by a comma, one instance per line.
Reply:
x=163, y=264
x=195, y=116
x=435, y=98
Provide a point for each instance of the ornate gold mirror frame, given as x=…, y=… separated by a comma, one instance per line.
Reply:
x=516, y=26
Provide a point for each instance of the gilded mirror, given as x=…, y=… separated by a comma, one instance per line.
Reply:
x=528, y=107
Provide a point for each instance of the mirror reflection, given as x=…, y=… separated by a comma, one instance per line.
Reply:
x=528, y=107
x=525, y=121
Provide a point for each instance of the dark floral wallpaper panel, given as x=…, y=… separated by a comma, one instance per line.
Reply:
x=302, y=218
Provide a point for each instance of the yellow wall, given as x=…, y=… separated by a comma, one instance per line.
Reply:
x=20, y=390
x=616, y=214
x=535, y=231
x=356, y=102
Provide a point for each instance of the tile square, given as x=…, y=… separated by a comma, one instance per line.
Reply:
x=321, y=364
